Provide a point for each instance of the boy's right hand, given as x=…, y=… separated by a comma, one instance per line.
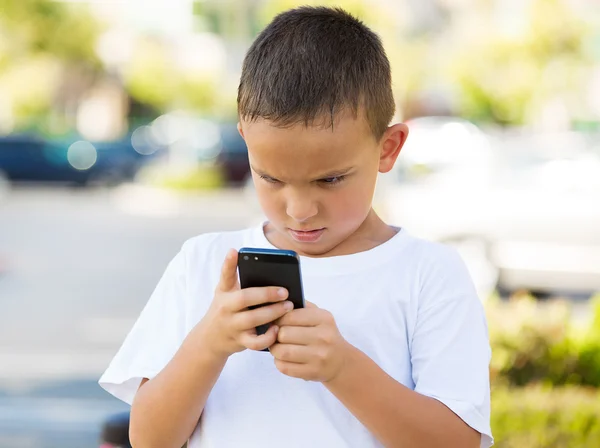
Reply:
x=229, y=326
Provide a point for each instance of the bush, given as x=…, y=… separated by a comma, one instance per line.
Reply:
x=536, y=342
x=201, y=178
x=537, y=417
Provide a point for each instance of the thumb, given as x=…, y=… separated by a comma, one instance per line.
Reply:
x=229, y=278
x=308, y=304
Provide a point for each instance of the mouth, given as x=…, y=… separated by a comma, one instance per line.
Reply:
x=306, y=236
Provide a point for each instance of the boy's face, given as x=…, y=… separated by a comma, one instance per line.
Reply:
x=315, y=185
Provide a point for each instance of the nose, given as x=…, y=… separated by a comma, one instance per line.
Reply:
x=301, y=207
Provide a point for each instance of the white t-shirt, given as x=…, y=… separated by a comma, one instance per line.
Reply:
x=408, y=304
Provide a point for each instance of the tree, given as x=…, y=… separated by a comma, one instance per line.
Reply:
x=41, y=41
x=508, y=78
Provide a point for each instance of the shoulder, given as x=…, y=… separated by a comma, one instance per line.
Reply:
x=439, y=269
x=430, y=255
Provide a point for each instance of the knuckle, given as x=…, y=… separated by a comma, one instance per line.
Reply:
x=271, y=312
x=280, y=309
x=322, y=354
x=238, y=299
x=258, y=316
x=224, y=270
x=219, y=307
x=286, y=353
x=325, y=338
x=282, y=334
x=225, y=274
x=282, y=367
x=237, y=322
x=274, y=349
x=328, y=317
x=271, y=295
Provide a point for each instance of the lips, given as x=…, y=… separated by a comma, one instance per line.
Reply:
x=306, y=236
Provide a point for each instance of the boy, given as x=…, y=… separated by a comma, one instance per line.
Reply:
x=392, y=346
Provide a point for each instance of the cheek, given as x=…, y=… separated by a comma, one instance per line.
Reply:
x=269, y=201
x=350, y=204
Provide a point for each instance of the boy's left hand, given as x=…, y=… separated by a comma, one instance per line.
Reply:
x=309, y=345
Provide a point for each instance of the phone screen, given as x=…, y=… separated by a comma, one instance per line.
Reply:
x=269, y=267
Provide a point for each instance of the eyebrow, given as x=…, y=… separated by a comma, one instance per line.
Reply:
x=335, y=173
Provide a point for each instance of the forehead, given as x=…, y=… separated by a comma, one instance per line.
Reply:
x=301, y=151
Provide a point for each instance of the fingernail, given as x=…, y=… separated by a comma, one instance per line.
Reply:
x=275, y=329
x=281, y=292
x=288, y=305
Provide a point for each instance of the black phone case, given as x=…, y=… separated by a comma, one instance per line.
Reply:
x=269, y=267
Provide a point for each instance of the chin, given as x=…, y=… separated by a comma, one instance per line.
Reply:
x=319, y=249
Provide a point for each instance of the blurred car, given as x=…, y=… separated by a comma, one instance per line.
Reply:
x=524, y=211
x=30, y=158
x=115, y=431
x=191, y=141
x=233, y=155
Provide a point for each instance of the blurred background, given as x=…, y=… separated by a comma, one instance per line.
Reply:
x=118, y=142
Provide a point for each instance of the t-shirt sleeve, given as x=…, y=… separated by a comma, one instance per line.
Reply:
x=450, y=349
x=155, y=337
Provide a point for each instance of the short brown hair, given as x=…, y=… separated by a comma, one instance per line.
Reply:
x=314, y=62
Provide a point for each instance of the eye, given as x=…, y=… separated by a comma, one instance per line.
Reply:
x=269, y=179
x=332, y=180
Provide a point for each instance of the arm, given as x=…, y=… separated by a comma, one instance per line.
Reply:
x=166, y=409
x=396, y=415
x=310, y=347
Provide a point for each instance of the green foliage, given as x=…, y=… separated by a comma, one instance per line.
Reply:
x=149, y=76
x=30, y=98
x=482, y=67
x=40, y=42
x=557, y=361
x=539, y=343
x=66, y=31
x=495, y=72
x=485, y=66
x=359, y=8
x=204, y=177
x=153, y=78
x=537, y=417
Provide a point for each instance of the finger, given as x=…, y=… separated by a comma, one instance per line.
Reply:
x=259, y=342
x=246, y=320
x=248, y=297
x=299, y=354
x=294, y=370
x=302, y=317
x=229, y=279
x=296, y=335
x=308, y=304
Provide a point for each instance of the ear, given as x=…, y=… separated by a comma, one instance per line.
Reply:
x=391, y=144
x=240, y=130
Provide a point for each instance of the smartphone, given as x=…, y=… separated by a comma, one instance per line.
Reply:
x=271, y=267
